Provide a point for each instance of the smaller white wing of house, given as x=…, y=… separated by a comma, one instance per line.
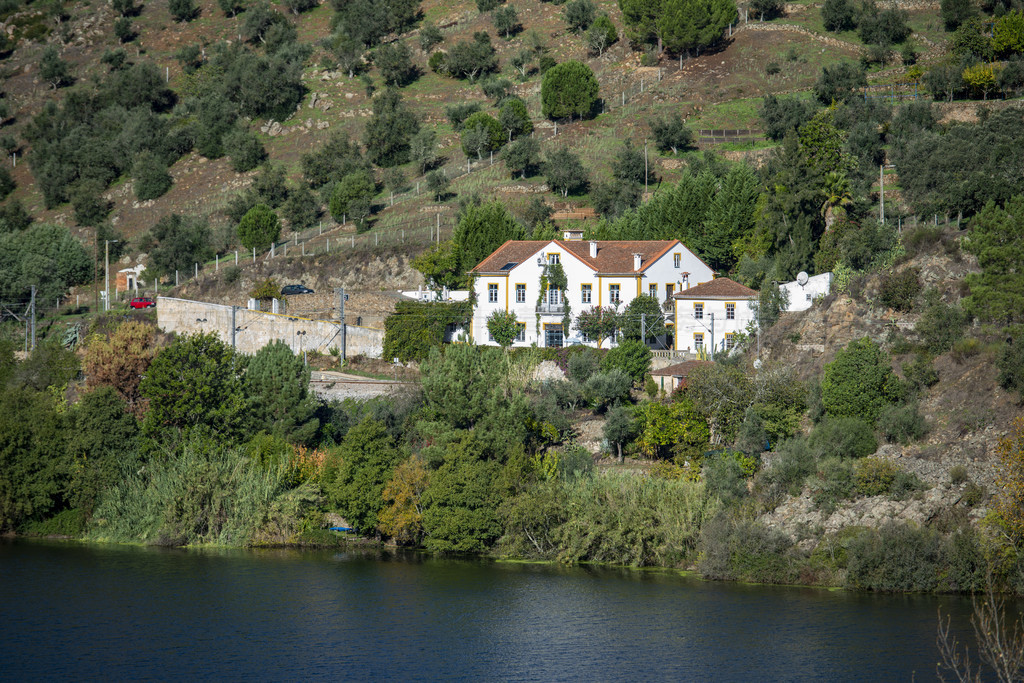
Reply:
x=709, y=316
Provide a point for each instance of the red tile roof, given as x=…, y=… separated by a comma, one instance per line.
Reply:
x=616, y=256
x=613, y=256
x=513, y=251
x=680, y=369
x=719, y=288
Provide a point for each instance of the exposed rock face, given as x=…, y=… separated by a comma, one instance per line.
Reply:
x=548, y=370
x=798, y=516
x=967, y=412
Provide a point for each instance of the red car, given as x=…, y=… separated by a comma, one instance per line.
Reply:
x=142, y=302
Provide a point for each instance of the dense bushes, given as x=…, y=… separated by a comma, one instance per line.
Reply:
x=646, y=521
x=739, y=549
x=899, y=290
x=900, y=557
x=207, y=494
x=859, y=382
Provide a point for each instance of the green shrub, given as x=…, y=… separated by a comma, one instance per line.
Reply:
x=874, y=476
x=902, y=423
x=965, y=348
x=631, y=356
x=745, y=550
x=922, y=237
x=751, y=436
x=896, y=557
x=7, y=183
x=259, y=228
x=574, y=460
x=941, y=325
x=581, y=366
x=244, y=149
x=151, y=177
x=898, y=290
x=183, y=10
x=920, y=373
x=905, y=484
x=609, y=517
x=793, y=462
x=207, y=494
x=958, y=475
x=348, y=191
x=438, y=62
x=1011, y=366
x=859, y=382
x=832, y=483
x=973, y=494
x=605, y=389
x=843, y=437
x=231, y=274
x=64, y=523
x=726, y=474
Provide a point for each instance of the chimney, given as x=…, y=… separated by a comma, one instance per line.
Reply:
x=636, y=261
x=593, y=249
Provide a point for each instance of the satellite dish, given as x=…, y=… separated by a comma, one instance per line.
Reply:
x=801, y=278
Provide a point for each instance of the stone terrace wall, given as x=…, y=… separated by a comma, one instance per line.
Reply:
x=256, y=329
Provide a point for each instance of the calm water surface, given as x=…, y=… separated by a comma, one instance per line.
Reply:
x=97, y=612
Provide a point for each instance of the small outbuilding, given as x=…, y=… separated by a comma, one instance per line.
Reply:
x=674, y=376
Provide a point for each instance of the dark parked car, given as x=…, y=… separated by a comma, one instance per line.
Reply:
x=142, y=302
x=291, y=290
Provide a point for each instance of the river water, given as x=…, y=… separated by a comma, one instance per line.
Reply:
x=70, y=611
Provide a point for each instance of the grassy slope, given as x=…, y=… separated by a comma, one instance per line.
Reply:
x=716, y=90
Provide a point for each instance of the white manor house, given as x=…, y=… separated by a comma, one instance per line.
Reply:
x=608, y=273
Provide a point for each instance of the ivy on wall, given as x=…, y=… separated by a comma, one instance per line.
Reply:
x=415, y=327
x=554, y=275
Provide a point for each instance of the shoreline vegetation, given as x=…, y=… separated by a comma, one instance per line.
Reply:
x=484, y=461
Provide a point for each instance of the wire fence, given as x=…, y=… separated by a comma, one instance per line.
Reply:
x=892, y=92
x=323, y=240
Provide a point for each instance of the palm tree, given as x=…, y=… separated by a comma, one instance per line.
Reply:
x=837, y=195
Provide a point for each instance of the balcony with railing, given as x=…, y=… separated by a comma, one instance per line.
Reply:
x=545, y=308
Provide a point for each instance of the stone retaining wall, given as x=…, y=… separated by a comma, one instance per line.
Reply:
x=256, y=329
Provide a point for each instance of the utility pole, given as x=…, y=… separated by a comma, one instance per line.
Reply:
x=95, y=272
x=234, y=310
x=881, y=194
x=32, y=304
x=341, y=317
x=712, y=355
x=106, y=277
x=643, y=328
x=645, y=166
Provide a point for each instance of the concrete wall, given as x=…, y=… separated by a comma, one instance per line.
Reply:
x=255, y=329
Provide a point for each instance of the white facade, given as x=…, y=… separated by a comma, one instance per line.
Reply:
x=801, y=296
x=598, y=274
x=709, y=316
